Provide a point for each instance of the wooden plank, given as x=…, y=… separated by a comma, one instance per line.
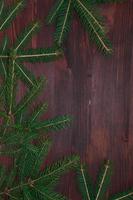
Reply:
x=96, y=90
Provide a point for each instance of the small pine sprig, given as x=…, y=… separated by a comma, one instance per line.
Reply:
x=63, y=22
x=93, y=23
x=55, y=124
x=31, y=181
x=85, y=183
x=8, y=13
x=103, y=180
x=127, y=195
x=40, y=55
x=62, y=12
x=98, y=192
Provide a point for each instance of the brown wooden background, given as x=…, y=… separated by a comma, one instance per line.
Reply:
x=96, y=90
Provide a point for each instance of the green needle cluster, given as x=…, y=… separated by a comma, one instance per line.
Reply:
x=62, y=13
x=98, y=191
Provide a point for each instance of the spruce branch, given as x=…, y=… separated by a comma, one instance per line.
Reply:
x=28, y=98
x=103, y=181
x=40, y=55
x=43, y=152
x=27, y=185
x=92, y=22
x=3, y=46
x=25, y=75
x=54, y=171
x=3, y=69
x=49, y=194
x=26, y=35
x=89, y=192
x=10, y=86
x=54, y=124
x=85, y=183
x=63, y=22
x=1, y=6
x=9, y=13
x=39, y=110
x=62, y=12
x=54, y=12
x=123, y=196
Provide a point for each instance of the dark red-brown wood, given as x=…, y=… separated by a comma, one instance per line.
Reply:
x=96, y=90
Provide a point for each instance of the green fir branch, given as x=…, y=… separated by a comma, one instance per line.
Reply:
x=1, y=7
x=25, y=75
x=63, y=22
x=3, y=46
x=3, y=71
x=89, y=192
x=2, y=175
x=40, y=55
x=85, y=183
x=49, y=194
x=10, y=12
x=62, y=12
x=26, y=35
x=42, y=153
x=54, y=12
x=32, y=182
x=55, y=124
x=28, y=98
x=103, y=181
x=56, y=170
x=123, y=195
x=10, y=88
x=39, y=110
x=92, y=22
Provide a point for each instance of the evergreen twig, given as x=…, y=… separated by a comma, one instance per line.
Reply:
x=62, y=12
x=89, y=192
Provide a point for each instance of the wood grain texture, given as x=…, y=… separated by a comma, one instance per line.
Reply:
x=95, y=89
